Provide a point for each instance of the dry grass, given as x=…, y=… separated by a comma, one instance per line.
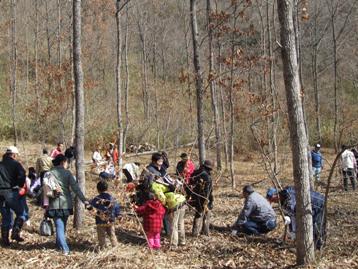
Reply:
x=220, y=250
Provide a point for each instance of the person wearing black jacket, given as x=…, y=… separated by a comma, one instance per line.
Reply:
x=12, y=178
x=202, y=198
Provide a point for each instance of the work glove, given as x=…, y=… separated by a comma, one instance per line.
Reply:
x=234, y=232
x=287, y=220
x=88, y=205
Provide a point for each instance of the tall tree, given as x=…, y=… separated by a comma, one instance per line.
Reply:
x=198, y=80
x=80, y=108
x=213, y=91
x=13, y=69
x=118, y=85
x=304, y=242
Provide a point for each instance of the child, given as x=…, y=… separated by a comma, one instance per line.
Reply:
x=107, y=212
x=152, y=212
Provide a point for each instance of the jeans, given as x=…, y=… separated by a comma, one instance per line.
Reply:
x=316, y=173
x=60, y=223
x=11, y=200
x=254, y=228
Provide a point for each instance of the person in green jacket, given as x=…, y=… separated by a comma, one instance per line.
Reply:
x=58, y=184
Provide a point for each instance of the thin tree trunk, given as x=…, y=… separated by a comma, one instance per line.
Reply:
x=80, y=109
x=143, y=40
x=59, y=58
x=36, y=69
x=315, y=76
x=126, y=85
x=13, y=70
x=213, y=91
x=335, y=82
x=273, y=92
x=223, y=114
x=118, y=89
x=198, y=81
x=304, y=241
x=231, y=101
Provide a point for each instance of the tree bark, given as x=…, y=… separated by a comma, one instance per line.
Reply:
x=231, y=99
x=13, y=70
x=299, y=143
x=213, y=92
x=198, y=81
x=80, y=109
x=126, y=85
x=118, y=88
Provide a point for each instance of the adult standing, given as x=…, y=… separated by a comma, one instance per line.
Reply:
x=12, y=179
x=43, y=164
x=257, y=217
x=317, y=162
x=58, y=184
x=202, y=197
x=349, y=165
x=58, y=150
x=185, y=168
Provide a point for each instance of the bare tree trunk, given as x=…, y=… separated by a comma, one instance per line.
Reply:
x=126, y=85
x=304, y=241
x=59, y=58
x=198, y=81
x=223, y=115
x=80, y=109
x=315, y=75
x=231, y=100
x=36, y=69
x=213, y=91
x=335, y=82
x=273, y=92
x=118, y=89
x=143, y=40
x=13, y=69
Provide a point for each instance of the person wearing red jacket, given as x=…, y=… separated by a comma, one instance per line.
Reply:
x=185, y=168
x=152, y=212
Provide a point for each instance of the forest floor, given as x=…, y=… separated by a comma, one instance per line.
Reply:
x=220, y=250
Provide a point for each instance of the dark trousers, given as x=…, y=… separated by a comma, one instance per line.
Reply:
x=254, y=228
x=128, y=175
x=349, y=174
x=201, y=223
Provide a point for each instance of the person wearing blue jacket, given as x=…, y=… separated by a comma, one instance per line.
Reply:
x=287, y=198
x=317, y=162
x=107, y=212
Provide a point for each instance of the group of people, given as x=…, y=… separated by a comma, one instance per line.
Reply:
x=159, y=198
x=162, y=200
x=348, y=161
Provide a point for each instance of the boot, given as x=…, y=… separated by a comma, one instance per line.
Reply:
x=5, y=237
x=15, y=235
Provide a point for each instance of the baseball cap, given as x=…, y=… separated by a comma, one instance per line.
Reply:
x=271, y=192
x=12, y=149
x=318, y=145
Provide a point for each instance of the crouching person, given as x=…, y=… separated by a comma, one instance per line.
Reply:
x=257, y=217
x=287, y=197
x=107, y=212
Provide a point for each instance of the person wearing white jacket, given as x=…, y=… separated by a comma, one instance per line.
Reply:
x=348, y=162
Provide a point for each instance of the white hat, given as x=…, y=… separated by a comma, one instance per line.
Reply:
x=318, y=145
x=12, y=149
